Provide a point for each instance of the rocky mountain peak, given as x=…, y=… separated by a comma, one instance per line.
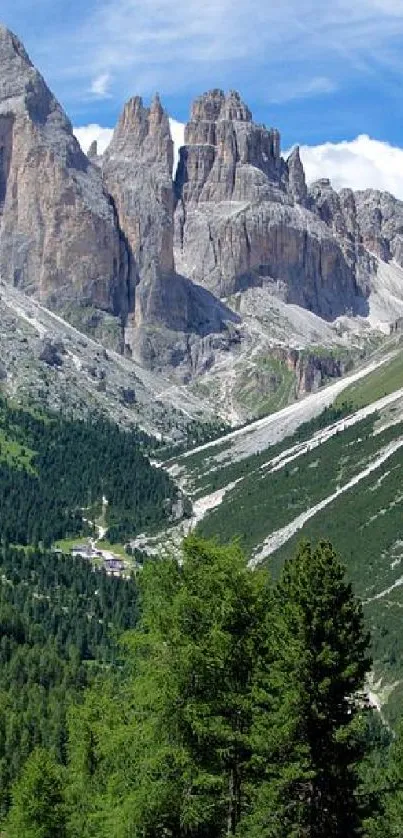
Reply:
x=234, y=109
x=207, y=107
x=93, y=150
x=137, y=170
x=58, y=238
x=227, y=157
x=22, y=88
x=296, y=174
x=142, y=135
x=236, y=220
x=10, y=45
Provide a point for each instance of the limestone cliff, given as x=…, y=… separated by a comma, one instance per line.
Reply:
x=241, y=218
x=162, y=270
x=164, y=307
x=58, y=234
x=137, y=168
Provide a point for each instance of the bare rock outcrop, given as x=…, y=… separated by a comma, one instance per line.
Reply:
x=312, y=370
x=241, y=219
x=380, y=221
x=58, y=234
x=368, y=224
x=137, y=168
x=296, y=177
x=164, y=307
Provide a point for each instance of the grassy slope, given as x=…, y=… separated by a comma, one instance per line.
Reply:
x=265, y=500
x=365, y=524
x=377, y=384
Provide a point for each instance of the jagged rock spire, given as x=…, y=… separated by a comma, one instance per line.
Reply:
x=137, y=168
x=297, y=182
x=219, y=138
x=58, y=236
x=93, y=149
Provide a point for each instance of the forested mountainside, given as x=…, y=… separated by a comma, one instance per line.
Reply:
x=329, y=467
x=59, y=623
x=236, y=707
x=55, y=472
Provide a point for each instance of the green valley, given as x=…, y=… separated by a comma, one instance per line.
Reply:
x=55, y=472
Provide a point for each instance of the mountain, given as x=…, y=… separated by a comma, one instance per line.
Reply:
x=328, y=467
x=241, y=219
x=232, y=292
x=58, y=235
x=236, y=280
x=163, y=307
x=47, y=362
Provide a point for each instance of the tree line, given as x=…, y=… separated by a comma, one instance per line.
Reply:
x=237, y=707
x=59, y=622
x=61, y=470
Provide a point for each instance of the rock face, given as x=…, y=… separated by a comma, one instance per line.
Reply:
x=380, y=220
x=296, y=178
x=137, y=169
x=368, y=224
x=240, y=215
x=58, y=234
x=146, y=264
x=98, y=234
x=226, y=156
x=312, y=370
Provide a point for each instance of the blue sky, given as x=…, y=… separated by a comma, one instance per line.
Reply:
x=318, y=71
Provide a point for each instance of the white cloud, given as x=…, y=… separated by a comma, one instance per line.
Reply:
x=100, y=86
x=178, y=136
x=360, y=164
x=86, y=134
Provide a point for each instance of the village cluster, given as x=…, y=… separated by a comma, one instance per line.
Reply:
x=113, y=565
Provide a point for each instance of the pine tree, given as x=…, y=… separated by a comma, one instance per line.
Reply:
x=37, y=809
x=176, y=760
x=389, y=822
x=309, y=726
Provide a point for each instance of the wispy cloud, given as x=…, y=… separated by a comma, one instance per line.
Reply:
x=295, y=49
x=286, y=91
x=100, y=86
x=137, y=33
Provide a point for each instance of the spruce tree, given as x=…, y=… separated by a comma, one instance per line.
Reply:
x=37, y=809
x=389, y=822
x=176, y=761
x=308, y=729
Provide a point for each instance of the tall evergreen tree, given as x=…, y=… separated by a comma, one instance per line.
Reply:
x=176, y=760
x=38, y=805
x=309, y=724
x=389, y=820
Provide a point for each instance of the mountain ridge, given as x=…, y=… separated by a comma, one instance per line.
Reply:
x=214, y=280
